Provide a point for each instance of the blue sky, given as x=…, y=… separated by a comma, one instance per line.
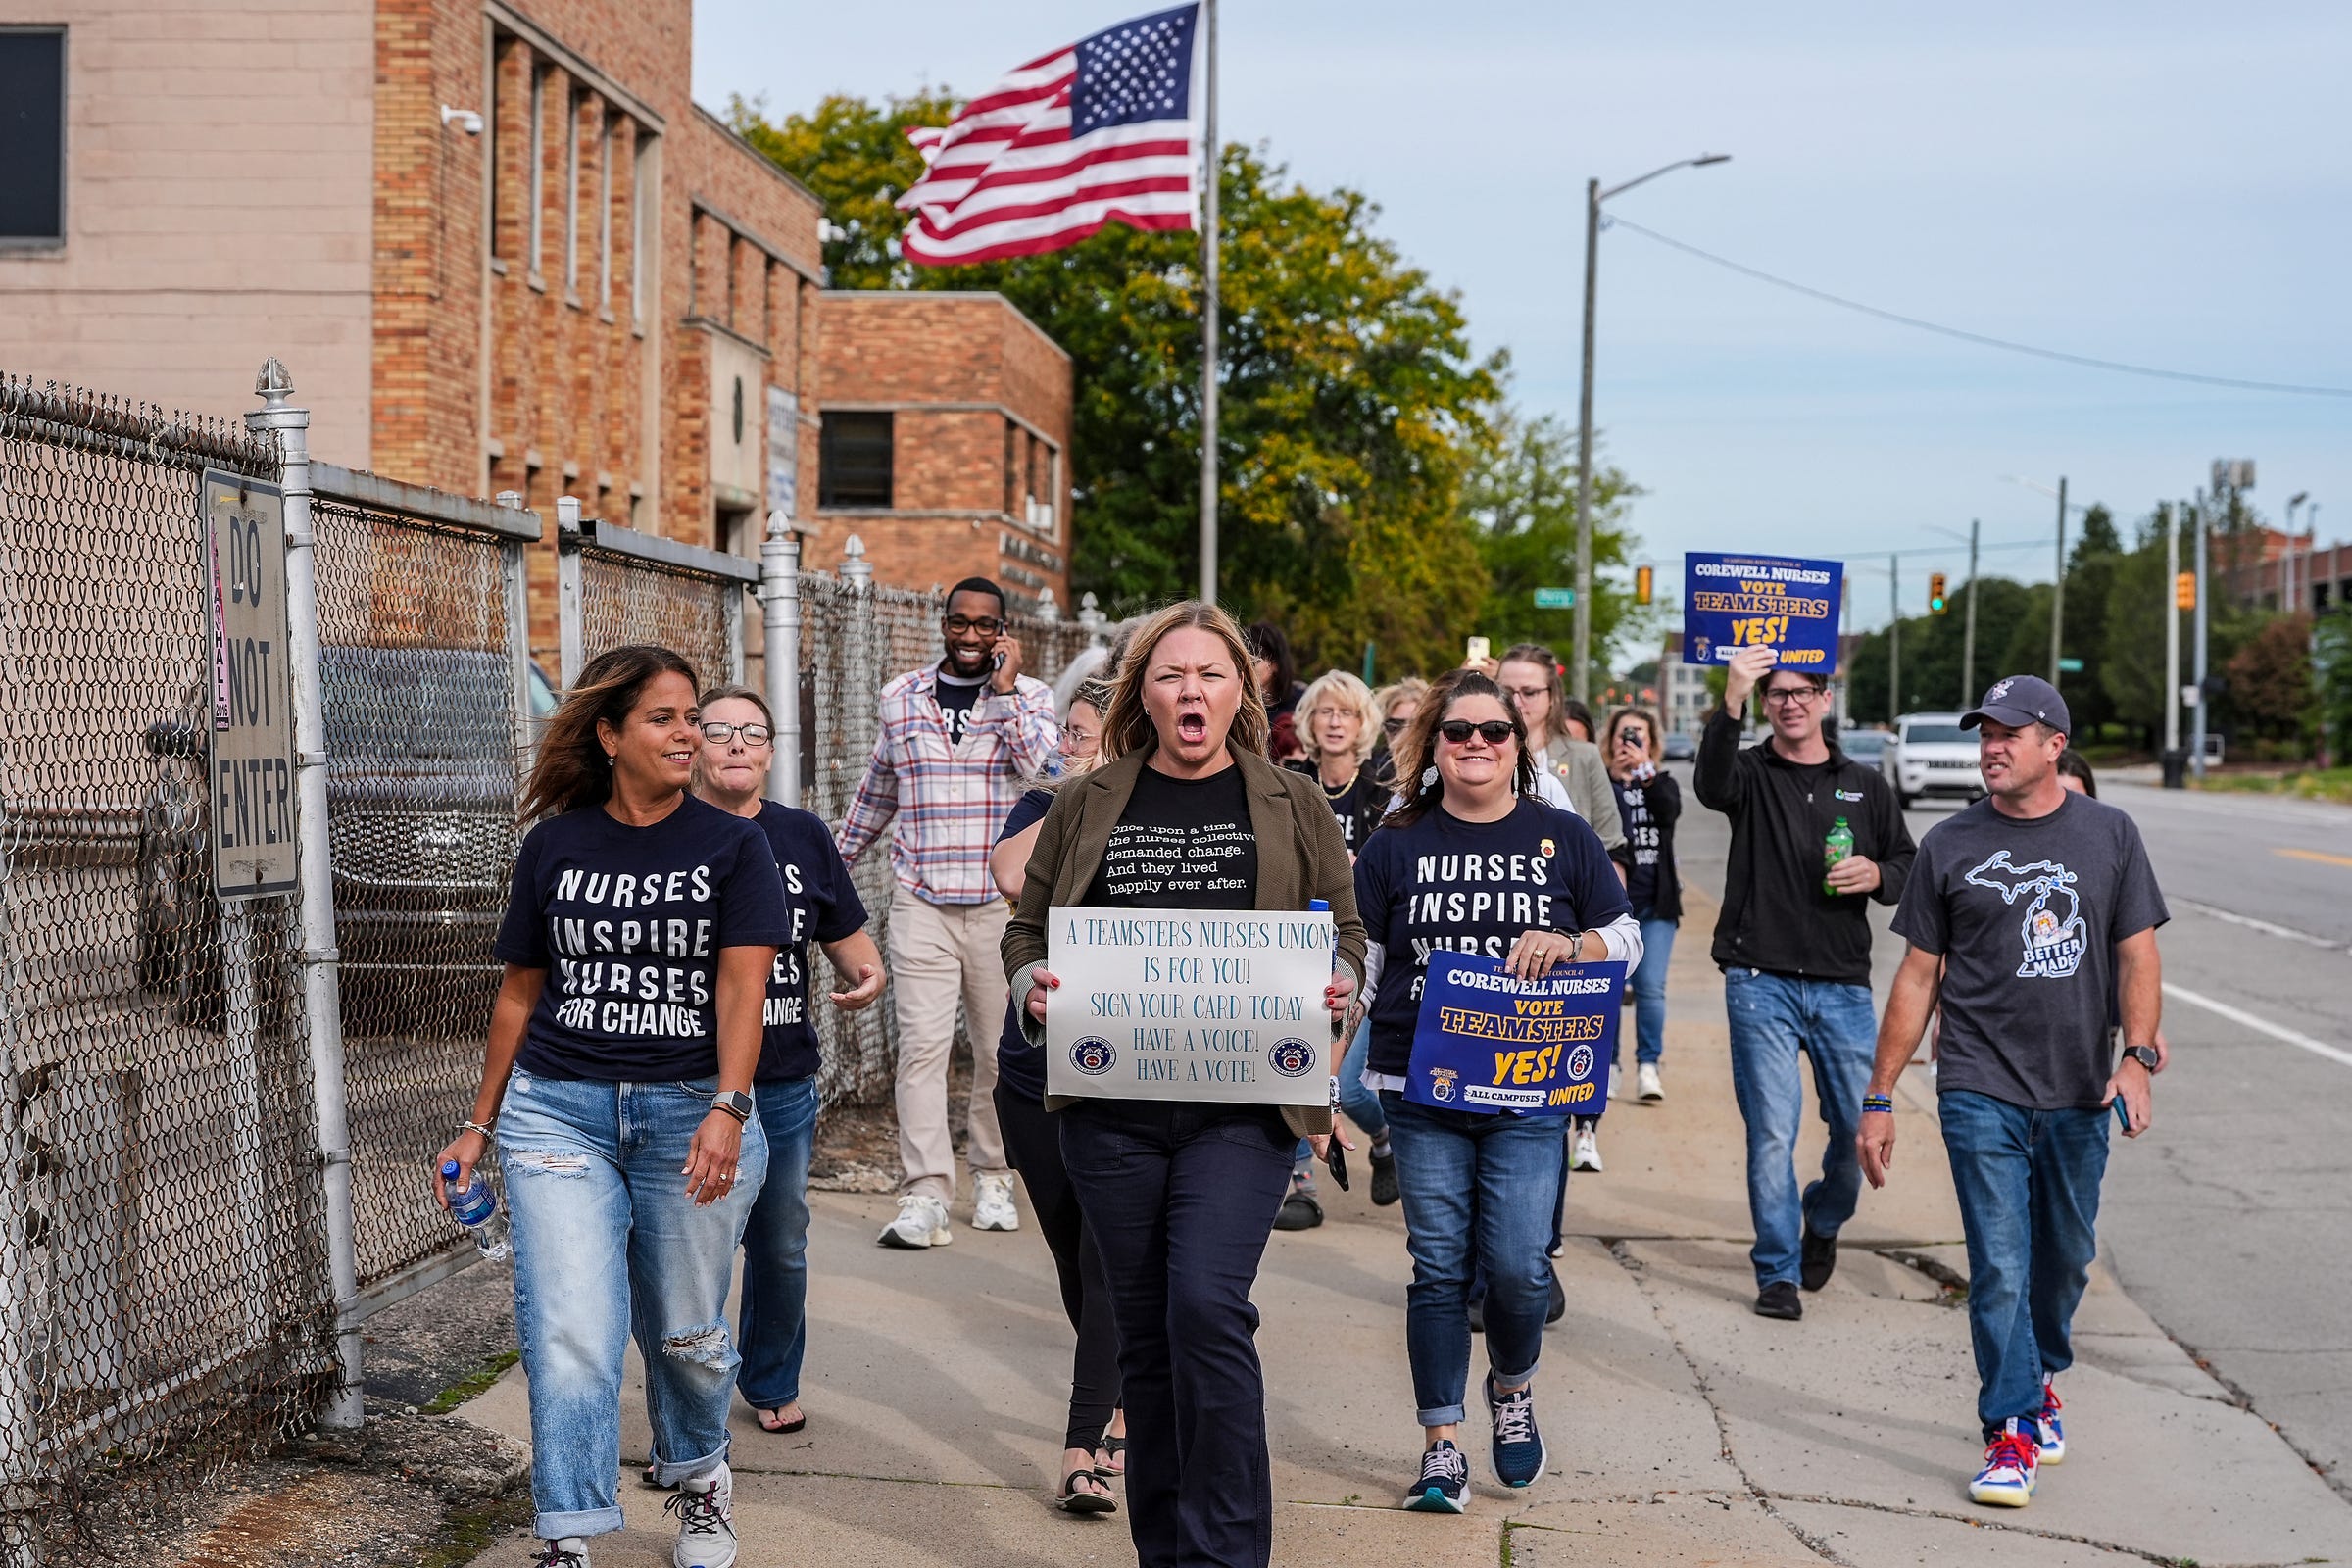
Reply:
x=2157, y=182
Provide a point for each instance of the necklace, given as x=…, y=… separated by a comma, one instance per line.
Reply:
x=1331, y=794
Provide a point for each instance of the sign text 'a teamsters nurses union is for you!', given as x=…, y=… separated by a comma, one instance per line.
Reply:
x=1188, y=1005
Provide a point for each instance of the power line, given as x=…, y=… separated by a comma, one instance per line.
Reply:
x=1979, y=338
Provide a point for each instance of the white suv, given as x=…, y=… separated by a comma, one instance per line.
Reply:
x=1931, y=754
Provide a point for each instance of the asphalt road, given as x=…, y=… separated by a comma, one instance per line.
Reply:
x=2230, y=1220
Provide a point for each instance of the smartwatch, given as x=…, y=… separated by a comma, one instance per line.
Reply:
x=736, y=1104
x=2145, y=1055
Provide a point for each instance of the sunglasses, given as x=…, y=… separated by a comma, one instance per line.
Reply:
x=1395, y=726
x=1493, y=731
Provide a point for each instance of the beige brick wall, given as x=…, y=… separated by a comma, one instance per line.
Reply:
x=217, y=210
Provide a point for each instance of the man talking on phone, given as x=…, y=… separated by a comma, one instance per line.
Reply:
x=2039, y=909
x=960, y=739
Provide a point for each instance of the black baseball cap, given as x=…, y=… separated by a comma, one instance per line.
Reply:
x=2020, y=700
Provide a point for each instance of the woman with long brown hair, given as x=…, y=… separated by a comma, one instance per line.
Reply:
x=1181, y=1195
x=617, y=1080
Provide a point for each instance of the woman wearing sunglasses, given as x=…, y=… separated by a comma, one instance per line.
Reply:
x=731, y=771
x=1473, y=861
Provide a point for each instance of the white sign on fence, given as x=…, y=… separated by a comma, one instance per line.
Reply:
x=250, y=773
x=1189, y=1004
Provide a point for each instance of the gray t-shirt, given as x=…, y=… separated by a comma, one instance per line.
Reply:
x=2027, y=913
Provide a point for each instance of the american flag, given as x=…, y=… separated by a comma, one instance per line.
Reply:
x=1096, y=133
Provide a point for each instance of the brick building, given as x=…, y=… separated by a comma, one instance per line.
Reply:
x=500, y=249
x=2269, y=569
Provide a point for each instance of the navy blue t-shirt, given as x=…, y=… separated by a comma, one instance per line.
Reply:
x=1021, y=1065
x=1471, y=887
x=824, y=905
x=628, y=922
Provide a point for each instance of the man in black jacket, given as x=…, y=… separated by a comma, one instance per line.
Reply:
x=1794, y=944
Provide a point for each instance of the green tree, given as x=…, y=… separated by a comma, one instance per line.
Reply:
x=2271, y=677
x=1521, y=499
x=1353, y=408
x=1933, y=650
x=2131, y=668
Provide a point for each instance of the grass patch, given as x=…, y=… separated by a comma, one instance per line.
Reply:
x=468, y=1531
x=2309, y=783
x=479, y=1382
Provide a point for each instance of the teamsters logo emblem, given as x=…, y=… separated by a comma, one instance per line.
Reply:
x=1440, y=1083
x=1580, y=1062
x=1093, y=1055
x=1549, y=848
x=1293, y=1058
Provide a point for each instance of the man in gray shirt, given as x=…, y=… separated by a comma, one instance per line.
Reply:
x=2038, y=909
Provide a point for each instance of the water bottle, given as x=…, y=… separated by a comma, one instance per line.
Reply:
x=1836, y=847
x=476, y=1206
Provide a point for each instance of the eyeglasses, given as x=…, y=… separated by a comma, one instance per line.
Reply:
x=722, y=732
x=1528, y=694
x=1493, y=731
x=985, y=626
x=1785, y=695
x=1395, y=726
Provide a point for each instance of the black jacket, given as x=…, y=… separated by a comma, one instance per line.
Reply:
x=1775, y=915
x=1664, y=799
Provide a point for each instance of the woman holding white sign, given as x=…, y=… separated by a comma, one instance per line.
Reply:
x=1474, y=862
x=1184, y=813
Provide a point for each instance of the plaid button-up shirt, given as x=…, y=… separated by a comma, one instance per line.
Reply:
x=949, y=799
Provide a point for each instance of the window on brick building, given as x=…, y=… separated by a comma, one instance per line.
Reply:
x=33, y=135
x=853, y=460
x=496, y=133
x=641, y=232
x=604, y=209
x=574, y=103
x=538, y=185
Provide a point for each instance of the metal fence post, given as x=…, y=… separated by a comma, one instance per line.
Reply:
x=1091, y=618
x=570, y=540
x=515, y=581
x=780, y=623
x=858, y=574
x=322, y=1009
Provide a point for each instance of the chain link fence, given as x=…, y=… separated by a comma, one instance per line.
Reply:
x=165, y=1298
x=618, y=587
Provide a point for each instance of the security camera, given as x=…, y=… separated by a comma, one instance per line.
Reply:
x=465, y=120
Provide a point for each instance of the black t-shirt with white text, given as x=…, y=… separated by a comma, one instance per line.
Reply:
x=1444, y=884
x=956, y=698
x=824, y=907
x=1642, y=837
x=1360, y=807
x=628, y=922
x=1181, y=844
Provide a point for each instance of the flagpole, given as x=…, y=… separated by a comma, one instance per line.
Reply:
x=1212, y=163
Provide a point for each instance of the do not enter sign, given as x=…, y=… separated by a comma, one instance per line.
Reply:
x=250, y=771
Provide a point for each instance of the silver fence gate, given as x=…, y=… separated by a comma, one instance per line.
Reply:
x=615, y=585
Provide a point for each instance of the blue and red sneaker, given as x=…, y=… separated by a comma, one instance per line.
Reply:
x=2010, y=1462
x=2048, y=1430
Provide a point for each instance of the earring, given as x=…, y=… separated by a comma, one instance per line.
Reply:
x=608, y=757
x=1428, y=775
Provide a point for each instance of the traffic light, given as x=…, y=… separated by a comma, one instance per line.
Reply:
x=1644, y=578
x=2184, y=591
x=1936, y=599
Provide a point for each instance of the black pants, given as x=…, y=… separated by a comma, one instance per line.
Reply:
x=1033, y=1143
x=1181, y=1198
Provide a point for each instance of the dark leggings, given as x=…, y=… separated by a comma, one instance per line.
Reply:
x=1033, y=1143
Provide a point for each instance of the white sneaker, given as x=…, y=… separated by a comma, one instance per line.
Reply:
x=705, y=1510
x=1584, y=1153
x=1646, y=1082
x=991, y=1202
x=569, y=1552
x=922, y=1223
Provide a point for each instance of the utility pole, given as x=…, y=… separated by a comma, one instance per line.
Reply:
x=1212, y=164
x=2058, y=587
x=1580, y=678
x=2172, y=626
x=1894, y=638
x=1968, y=635
x=2196, y=743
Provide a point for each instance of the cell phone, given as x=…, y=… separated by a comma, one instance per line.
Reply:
x=2123, y=1117
x=1334, y=1159
x=1474, y=651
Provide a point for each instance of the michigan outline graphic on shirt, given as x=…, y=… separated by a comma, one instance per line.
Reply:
x=2054, y=945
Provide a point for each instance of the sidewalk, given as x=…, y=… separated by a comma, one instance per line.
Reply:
x=1682, y=1429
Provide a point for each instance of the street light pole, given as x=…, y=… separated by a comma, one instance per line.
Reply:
x=2196, y=742
x=2171, y=627
x=1580, y=680
x=2058, y=588
x=1894, y=638
x=1968, y=636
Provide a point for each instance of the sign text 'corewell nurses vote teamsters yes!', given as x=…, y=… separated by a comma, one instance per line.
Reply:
x=1779, y=602
x=1188, y=1005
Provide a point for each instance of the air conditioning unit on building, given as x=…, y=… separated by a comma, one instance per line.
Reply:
x=1041, y=515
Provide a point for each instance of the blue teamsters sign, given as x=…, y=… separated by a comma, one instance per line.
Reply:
x=1489, y=1042
x=1736, y=601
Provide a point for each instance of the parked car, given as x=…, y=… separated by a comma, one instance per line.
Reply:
x=1680, y=748
x=420, y=799
x=1930, y=754
x=1865, y=746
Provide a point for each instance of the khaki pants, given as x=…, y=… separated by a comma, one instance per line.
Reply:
x=942, y=954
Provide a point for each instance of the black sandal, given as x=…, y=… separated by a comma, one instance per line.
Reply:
x=784, y=1429
x=1072, y=1500
x=1114, y=1446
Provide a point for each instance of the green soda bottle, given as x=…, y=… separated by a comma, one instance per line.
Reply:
x=1836, y=847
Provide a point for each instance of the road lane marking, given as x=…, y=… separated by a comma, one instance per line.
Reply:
x=2266, y=927
x=2320, y=855
x=2247, y=1020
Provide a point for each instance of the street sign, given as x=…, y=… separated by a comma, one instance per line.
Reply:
x=2069, y=667
x=1555, y=598
x=250, y=771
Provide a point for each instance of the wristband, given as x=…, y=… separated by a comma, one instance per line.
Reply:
x=477, y=1127
x=1879, y=1103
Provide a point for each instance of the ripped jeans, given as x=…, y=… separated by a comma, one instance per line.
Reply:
x=607, y=1244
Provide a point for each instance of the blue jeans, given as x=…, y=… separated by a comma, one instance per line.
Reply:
x=1361, y=1105
x=1773, y=1017
x=607, y=1243
x=2028, y=1188
x=1648, y=983
x=774, y=1330
x=1474, y=1189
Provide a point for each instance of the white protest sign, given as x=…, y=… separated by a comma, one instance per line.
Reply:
x=1218, y=1004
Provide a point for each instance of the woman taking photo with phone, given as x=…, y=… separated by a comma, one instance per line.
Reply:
x=637, y=945
x=1473, y=861
x=1181, y=1195
x=738, y=752
x=1649, y=802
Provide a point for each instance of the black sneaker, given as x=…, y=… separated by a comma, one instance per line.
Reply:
x=1558, y=1309
x=1817, y=1259
x=569, y=1552
x=1445, y=1480
x=1299, y=1212
x=1518, y=1451
x=1780, y=1300
x=1383, y=1175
